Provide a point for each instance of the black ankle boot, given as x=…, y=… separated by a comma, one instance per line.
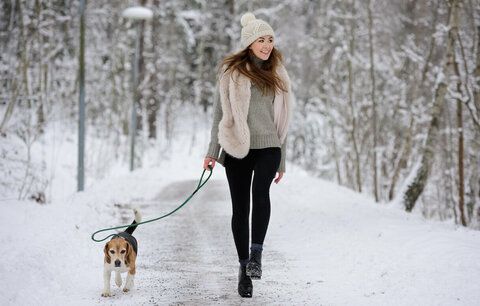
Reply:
x=254, y=266
x=245, y=286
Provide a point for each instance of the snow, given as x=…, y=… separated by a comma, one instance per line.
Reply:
x=325, y=244
x=138, y=12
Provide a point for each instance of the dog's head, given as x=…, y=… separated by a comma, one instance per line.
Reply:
x=118, y=251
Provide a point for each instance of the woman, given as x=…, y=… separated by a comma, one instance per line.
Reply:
x=250, y=126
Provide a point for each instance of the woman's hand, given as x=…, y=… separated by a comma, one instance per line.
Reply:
x=279, y=177
x=208, y=161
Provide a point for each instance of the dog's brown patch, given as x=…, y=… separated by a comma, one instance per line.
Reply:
x=105, y=250
x=131, y=256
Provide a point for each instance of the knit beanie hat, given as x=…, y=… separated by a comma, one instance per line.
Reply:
x=253, y=28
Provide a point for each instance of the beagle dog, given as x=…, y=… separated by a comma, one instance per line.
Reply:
x=120, y=255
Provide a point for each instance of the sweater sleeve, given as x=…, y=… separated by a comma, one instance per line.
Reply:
x=214, y=146
x=281, y=168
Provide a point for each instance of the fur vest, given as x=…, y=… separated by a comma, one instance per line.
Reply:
x=233, y=130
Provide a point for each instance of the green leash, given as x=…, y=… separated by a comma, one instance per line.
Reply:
x=200, y=185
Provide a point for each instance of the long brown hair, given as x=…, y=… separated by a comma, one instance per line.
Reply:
x=266, y=77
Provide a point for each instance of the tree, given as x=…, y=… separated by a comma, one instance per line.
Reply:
x=416, y=187
x=374, y=103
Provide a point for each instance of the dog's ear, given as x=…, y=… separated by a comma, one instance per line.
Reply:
x=105, y=250
x=127, y=254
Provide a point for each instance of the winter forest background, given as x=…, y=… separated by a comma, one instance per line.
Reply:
x=387, y=92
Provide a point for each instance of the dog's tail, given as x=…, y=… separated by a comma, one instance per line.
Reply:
x=138, y=219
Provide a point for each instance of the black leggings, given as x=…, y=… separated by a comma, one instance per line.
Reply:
x=264, y=163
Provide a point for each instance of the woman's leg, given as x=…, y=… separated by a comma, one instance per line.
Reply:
x=266, y=166
x=239, y=176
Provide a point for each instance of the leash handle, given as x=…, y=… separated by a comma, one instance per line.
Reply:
x=200, y=185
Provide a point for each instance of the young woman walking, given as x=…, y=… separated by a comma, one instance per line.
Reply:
x=250, y=125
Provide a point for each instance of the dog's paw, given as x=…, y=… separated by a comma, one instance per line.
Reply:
x=106, y=294
x=126, y=289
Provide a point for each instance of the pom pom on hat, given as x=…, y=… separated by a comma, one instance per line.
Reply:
x=253, y=28
x=246, y=18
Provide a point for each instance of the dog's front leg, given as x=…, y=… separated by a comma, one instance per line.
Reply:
x=106, y=282
x=129, y=281
x=118, y=279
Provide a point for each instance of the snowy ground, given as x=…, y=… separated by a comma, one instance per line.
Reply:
x=326, y=245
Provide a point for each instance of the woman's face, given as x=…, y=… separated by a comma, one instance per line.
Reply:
x=262, y=47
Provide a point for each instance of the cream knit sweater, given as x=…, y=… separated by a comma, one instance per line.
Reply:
x=263, y=132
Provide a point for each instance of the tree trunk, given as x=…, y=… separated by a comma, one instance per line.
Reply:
x=152, y=103
x=21, y=70
x=402, y=161
x=447, y=159
x=374, y=104
x=10, y=106
x=41, y=94
x=432, y=44
x=335, y=153
x=476, y=75
x=461, y=179
x=417, y=186
x=24, y=55
x=353, y=137
x=412, y=96
x=141, y=73
x=231, y=9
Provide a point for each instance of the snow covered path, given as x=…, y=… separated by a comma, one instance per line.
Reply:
x=189, y=258
x=326, y=245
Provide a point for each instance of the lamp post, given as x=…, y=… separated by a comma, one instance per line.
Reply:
x=137, y=14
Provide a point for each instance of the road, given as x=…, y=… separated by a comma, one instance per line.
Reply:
x=189, y=258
